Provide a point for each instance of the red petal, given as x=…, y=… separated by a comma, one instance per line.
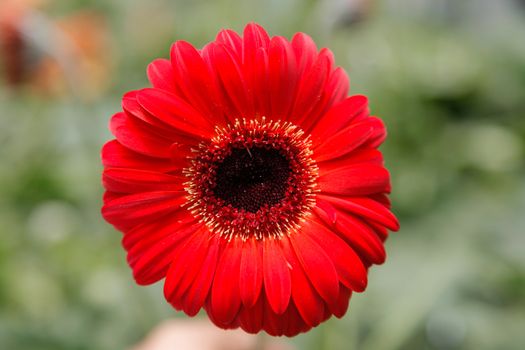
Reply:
x=255, y=66
x=310, y=89
x=326, y=212
x=381, y=231
x=335, y=91
x=135, y=208
x=273, y=324
x=339, y=116
x=317, y=265
x=337, y=86
x=151, y=263
x=180, y=156
x=148, y=233
x=196, y=82
x=343, y=142
x=225, y=294
x=251, y=276
x=181, y=274
x=198, y=292
x=366, y=208
x=251, y=318
x=361, y=156
x=295, y=323
x=131, y=106
x=224, y=100
x=261, y=83
x=115, y=155
x=133, y=181
x=289, y=323
x=347, y=263
x=308, y=302
x=340, y=308
x=361, y=237
x=355, y=180
x=378, y=132
x=109, y=196
x=370, y=156
x=382, y=198
x=161, y=76
x=230, y=75
x=160, y=127
x=231, y=39
x=305, y=51
x=254, y=37
x=283, y=77
x=276, y=273
x=139, y=136
x=175, y=112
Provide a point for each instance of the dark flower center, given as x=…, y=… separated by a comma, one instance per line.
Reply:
x=252, y=178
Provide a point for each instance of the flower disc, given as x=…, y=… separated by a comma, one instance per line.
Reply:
x=255, y=179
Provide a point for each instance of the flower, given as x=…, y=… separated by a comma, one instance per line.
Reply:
x=249, y=181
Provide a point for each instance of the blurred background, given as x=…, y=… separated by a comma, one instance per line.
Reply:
x=447, y=76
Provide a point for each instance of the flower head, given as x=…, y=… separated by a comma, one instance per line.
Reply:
x=249, y=181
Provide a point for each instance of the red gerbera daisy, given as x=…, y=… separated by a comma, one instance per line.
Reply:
x=250, y=181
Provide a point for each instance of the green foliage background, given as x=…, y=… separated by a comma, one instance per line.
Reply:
x=448, y=78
